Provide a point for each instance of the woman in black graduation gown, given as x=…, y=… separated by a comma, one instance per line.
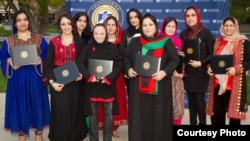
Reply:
x=150, y=105
x=67, y=102
x=196, y=78
x=133, y=18
x=101, y=90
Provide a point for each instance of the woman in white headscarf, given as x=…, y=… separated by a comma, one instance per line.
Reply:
x=227, y=92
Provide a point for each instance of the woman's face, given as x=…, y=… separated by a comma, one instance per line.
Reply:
x=65, y=26
x=81, y=23
x=22, y=22
x=191, y=17
x=111, y=27
x=229, y=28
x=170, y=28
x=134, y=20
x=99, y=34
x=148, y=27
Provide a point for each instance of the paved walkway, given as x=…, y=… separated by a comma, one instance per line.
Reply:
x=6, y=136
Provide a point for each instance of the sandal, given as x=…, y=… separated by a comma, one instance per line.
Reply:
x=116, y=134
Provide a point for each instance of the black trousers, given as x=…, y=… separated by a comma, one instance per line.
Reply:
x=197, y=107
x=220, y=109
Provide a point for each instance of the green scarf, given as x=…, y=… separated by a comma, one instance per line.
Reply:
x=154, y=45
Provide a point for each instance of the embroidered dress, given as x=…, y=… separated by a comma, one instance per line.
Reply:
x=67, y=106
x=27, y=102
x=227, y=94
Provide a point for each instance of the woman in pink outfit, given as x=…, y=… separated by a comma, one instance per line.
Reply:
x=169, y=28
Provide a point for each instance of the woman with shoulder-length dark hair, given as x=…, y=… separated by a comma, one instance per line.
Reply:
x=83, y=27
x=134, y=18
x=150, y=104
x=67, y=100
x=27, y=101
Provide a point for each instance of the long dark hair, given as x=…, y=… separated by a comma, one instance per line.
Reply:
x=66, y=15
x=14, y=28
x=138, y=13
x=87, y=32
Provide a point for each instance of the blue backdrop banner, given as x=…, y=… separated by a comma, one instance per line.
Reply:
x=212, y=11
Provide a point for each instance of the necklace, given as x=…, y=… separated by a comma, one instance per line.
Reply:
x=23, y=36
x=66, y=40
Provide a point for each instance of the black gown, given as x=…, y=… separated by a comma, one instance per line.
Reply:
x=150, y=117
x=67, y=107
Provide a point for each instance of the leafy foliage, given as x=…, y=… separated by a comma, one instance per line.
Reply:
x=241, y=10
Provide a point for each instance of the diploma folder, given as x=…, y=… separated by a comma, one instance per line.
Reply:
x=66, y=73
x=191, y=49
x=24, y=55
x=146, y=65
x=100, y=68
x=219, y=63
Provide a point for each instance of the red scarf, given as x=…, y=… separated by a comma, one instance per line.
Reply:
x=152, y=85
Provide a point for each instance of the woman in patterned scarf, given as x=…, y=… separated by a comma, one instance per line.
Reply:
x=169, y=28
x=227, y=92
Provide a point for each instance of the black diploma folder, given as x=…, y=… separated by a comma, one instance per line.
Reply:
x=24, y=55
x=100, y=68
x=146, y=65
x=191, y=48
x=66, y=73
x=219, y=63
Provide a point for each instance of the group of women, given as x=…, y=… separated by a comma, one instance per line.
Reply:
x=155, y=104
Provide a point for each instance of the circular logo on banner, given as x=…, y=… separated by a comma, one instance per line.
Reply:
x=102, y=9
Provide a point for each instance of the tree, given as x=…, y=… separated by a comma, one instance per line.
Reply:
x=241, y=10
x=37, y=10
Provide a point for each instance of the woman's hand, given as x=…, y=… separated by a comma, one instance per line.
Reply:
x=159, y=75
x=178, y=75
x=95, y=79
x=210, y=72
x=195, y=63
x=132, y=73
x=181, y=53
x=57, y=86
x=79, y=78
x=39, y=60
x=15, y=67
x=231, y=71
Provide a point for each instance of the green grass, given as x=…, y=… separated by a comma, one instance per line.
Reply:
x=4, y=33
x=3, y=82
x=53, y=29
